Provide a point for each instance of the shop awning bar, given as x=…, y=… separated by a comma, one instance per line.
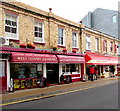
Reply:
x=17, y=57
x=100, y=60
x=70, y=59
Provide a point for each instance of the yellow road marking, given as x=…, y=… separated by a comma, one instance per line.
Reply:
x=53, y=95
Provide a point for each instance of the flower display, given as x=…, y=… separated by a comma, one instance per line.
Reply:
x=74, y=51
x=22, y=46
x=30, y=45
x=64, y=50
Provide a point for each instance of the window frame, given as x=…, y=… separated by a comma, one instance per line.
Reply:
x=61, y=37
x=38, y=24
x=11, y=35
x=74, y=40
x=88, y=43
x=111, y=46
x=97, y=44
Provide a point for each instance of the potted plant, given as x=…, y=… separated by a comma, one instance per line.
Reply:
x=74, y=51
x=64, y=50
x=54, y=48
x=30, y=45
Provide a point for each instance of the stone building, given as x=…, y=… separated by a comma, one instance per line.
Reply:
x=35, y=42
x=103, y=20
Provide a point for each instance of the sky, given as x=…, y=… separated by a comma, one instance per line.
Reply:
x=73, y=10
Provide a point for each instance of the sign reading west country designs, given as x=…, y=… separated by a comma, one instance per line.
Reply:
x=70, y=59
x=17, y=57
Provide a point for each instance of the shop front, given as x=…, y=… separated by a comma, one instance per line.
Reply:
x=104, y=63
x=28, y=70
x=4, y=57
x=71, y=68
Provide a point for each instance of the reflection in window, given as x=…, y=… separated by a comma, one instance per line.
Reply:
x=2, y=68
x=114, y=18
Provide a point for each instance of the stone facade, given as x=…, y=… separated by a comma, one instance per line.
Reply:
x=26, y=17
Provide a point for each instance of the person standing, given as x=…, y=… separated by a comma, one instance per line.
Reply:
x=92, y=71
x=96, y=73
x=112, y=71
x=88, y=72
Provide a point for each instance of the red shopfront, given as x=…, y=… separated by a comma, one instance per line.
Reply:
x=72, y=67
x=103, y=62
x=4, y=70
x=26, y=68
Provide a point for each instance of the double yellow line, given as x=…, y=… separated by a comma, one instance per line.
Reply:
x=53, y=95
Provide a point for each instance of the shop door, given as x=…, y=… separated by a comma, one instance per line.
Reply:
x=3, y=77
x=52, y=73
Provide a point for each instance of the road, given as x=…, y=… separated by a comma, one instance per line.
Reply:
x=102, y=97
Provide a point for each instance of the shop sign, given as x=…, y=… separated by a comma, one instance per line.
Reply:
x=32, y=58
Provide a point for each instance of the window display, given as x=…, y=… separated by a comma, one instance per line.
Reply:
x=70, y=68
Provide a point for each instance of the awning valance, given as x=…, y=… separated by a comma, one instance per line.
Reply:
x=70, y=59
x=100, y=60
x=17, y=57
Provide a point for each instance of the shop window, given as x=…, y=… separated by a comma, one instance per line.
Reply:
x=11, y=26
x=19, y=71
x=70, y=68
x=2, y=68
x=39, y=32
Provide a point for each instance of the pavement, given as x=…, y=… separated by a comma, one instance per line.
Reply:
x=51, y=90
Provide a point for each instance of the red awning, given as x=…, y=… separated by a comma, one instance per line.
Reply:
x=100, y=60
x=17, y=57
x=4, y=52
x=70, y=59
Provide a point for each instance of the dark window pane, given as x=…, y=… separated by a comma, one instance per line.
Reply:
x=40, y=29
x=14, y=30
x=14, y=23
x=40, y=35
x=36, y=29
x=36, y=34
x=7, y=29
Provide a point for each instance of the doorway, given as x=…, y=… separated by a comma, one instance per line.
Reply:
x=52, y=73
x=3, y=77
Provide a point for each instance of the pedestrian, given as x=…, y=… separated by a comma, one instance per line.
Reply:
x=112, y=71
x=88, y=72
x=96, y=73
x=92, y=71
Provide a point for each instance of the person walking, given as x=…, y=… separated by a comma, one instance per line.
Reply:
x=96, y=73
x=88, y=72
x=112, y=71
x=92, y=71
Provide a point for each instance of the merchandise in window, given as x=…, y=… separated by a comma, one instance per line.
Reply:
x=19, y=71
x=70, y=68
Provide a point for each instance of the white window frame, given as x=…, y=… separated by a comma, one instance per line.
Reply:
x=8, y=34
x=96, y=44
x=74, y=39
x=114, y=19
x=88, y=43
x=61, y=36
x=38, y=39
x=111, y=46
